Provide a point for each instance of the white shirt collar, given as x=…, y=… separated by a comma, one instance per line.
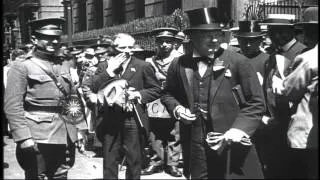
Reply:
x=287, y=46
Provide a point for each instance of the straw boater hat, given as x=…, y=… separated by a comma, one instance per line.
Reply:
x=310, y=17
x=249, y=29
x=168, y=32
x=204, y=19
x=49, y=26
x=279, y=20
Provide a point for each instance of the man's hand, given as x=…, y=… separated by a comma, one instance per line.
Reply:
x=27, y=144
x=80, y=143
x=235, y=135
x=266, y=120
x=184, y=114
x=134, y=95
x=115, y=62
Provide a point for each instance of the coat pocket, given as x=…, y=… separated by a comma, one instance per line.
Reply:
x=41, y=124
x=39, y=78
x=39, y=117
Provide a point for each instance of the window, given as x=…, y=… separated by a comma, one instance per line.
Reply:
x=171, y=5
x=82, y=20
x=98, y=13
x=118, y=11
x=139, y=8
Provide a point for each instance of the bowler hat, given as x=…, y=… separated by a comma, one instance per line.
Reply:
x=249, y=29
x=310, y=16
x=279, y=20
x=49, y=26
x=169, y=32
x=74, y=50
x=204, y=19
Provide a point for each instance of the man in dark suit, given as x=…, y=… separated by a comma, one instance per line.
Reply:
x=277, y=117
x=250, y=38
x=120, y=129
x=32, y=103
x=199, y=94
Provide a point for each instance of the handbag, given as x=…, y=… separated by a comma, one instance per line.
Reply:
x=72, y=110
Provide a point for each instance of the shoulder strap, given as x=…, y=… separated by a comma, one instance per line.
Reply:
x=157, y=66
x=50, y=74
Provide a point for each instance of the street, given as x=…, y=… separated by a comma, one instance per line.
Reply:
x=84, y=168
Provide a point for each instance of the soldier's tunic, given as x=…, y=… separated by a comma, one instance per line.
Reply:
x=31, y=104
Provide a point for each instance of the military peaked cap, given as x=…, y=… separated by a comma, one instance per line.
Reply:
x=49, y=26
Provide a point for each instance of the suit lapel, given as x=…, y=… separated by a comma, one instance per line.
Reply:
x=130, y=70
x=216, y=79
x=187, y=72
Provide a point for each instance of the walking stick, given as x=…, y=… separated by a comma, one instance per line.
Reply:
x=123, y=160
x=137, y=114
x=228, y=166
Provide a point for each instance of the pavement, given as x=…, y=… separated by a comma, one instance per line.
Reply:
x=85, y=167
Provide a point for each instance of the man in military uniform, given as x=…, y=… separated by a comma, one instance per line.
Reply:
x=164, y=135
x=44, y=135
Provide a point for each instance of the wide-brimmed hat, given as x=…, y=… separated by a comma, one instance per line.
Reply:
x=204, y=19
x=310, y=16
x=75, y=50
x=48, y=26
x=279, y=20
x=168, y=32
x=249, y=29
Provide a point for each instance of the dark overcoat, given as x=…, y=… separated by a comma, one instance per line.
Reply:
x=224, y=112
x=140, y=75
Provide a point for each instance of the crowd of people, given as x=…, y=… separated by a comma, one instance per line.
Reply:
x=217, y=109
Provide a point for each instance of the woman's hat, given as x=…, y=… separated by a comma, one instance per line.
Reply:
x=204, y=19
x=169, y=32
x=279, y=20
x=249, y=29
x=49, y=26
x=310, y=16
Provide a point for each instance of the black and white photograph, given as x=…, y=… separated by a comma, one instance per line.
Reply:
x=160, y=89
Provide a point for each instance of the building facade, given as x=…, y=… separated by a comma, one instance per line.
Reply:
x=90, y=18
x=17, y=13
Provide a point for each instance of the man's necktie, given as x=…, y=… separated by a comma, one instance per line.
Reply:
x=119, y=70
